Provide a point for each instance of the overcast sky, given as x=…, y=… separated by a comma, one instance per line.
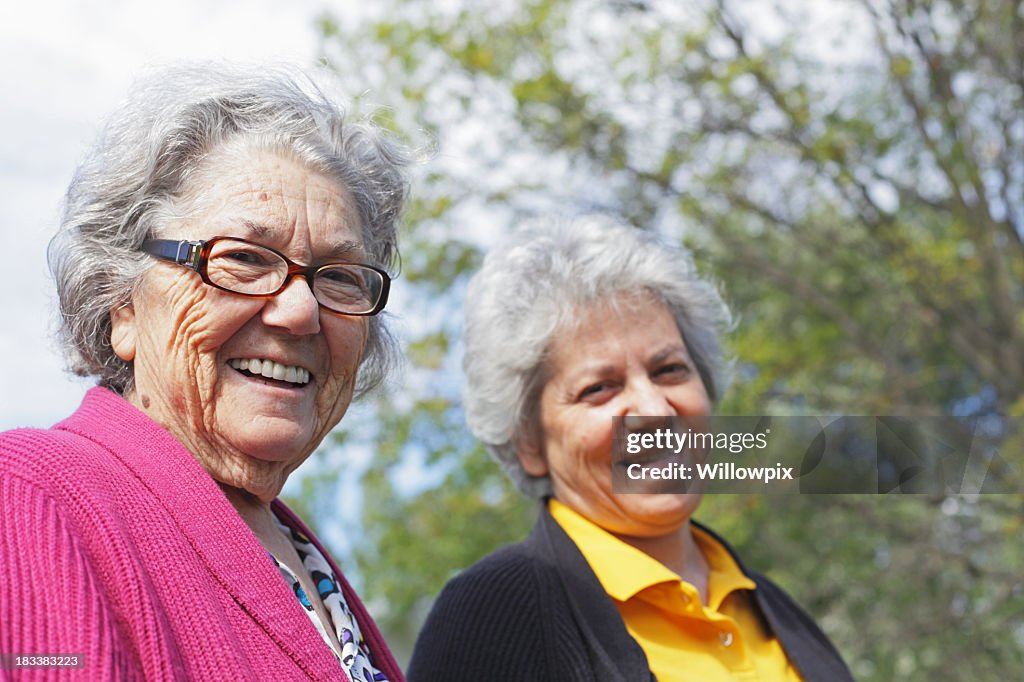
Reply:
x=67, y=63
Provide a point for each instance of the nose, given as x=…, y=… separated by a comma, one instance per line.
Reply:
x=294, y=309
x=646, y=405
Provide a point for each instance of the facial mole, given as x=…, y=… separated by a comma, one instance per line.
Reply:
x=264, y=196
x=145, y=401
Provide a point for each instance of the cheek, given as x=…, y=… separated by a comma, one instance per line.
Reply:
x=690, y=399
x=584, y=454
x=196, y=321
x=587, y=439
x=699, y=402
x=347, y=344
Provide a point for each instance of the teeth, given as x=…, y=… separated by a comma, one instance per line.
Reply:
x=272, y=370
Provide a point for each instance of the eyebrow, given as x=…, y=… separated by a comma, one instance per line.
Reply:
x=601, y=369
x=668, y=351
x=344, y=248
x=256, y=230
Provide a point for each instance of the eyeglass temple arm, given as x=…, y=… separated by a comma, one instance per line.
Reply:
x=183, y=252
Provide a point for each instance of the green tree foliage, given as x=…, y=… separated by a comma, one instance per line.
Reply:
x=855, y=179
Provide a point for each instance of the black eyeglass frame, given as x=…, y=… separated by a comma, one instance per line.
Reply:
x=195, y=255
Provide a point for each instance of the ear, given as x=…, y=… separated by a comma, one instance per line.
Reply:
x=123, y=331
x=531, y=456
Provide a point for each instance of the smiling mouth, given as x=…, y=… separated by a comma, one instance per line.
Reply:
x=649, y=458
x=291, y=376
x=662, y=457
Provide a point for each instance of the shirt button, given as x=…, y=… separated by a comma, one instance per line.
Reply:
x=725, y=638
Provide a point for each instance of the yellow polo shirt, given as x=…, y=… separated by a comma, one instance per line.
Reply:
x=684, y=640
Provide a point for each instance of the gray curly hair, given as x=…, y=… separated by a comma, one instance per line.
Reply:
x=531, y=287
x=139, y=170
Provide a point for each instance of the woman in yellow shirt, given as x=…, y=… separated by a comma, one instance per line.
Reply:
x=567, y=327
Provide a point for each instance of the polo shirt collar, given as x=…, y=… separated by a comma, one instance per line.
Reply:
x=625, y=571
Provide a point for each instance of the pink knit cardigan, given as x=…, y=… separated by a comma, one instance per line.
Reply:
x=116, y=545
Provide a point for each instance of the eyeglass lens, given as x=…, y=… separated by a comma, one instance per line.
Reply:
x=252, y=269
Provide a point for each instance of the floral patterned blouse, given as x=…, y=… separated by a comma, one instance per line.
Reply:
x=355, y=657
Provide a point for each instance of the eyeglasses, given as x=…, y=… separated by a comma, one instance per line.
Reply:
x=249, y=269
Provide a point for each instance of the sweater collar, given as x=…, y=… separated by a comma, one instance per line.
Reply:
x=616, y=655
x=227, y=548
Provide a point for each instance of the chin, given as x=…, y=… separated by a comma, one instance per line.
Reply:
x=277, y=444
x=664, y=510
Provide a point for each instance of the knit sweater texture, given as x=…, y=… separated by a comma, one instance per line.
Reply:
x=117, y=546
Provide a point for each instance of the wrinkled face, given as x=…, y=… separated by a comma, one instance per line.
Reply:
x=194, y=347
x=629, y=362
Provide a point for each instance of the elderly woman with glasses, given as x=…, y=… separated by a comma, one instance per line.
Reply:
x=223, y=252
x=568, y=327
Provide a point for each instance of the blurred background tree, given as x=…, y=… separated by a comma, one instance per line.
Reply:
x=852, y=173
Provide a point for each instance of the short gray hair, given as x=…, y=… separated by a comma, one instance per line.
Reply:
x=531, y=287
x=154, y=146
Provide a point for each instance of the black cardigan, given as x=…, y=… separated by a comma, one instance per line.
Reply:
x=536, y=611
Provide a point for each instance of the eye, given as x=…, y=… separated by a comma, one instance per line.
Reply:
x=672, y=370
x=596, y=392
x=342, y=278
x=246, y=257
